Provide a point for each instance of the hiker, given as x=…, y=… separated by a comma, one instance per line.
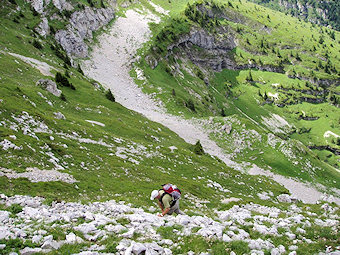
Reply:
x=167, y=202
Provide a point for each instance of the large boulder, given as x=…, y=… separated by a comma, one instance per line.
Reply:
x=49, y=86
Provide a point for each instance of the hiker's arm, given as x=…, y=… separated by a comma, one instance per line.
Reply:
x=161, y=206
x=165, y=211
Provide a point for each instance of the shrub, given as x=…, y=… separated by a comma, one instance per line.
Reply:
x=190, y=104
x=62, y=97
x=198, y=149
x=223, y=113
x=110, y=96
x=34, y=12
x=80, y=70
x=67, y=74
x=12, y=2
x=173, y=92
x=37, y=44
x=62, y=80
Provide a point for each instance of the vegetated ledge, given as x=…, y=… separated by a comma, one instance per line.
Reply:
x=325, y=147
x=322, y=82
x=215, y=53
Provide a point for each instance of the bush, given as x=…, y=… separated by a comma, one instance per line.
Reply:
x=80, y=70
x=62, y=80
x=12, y=2
x=198, y=149
x=62, y=97
x=110, y=96
x=190, y=104
x=173, y=92
x=223, y=113
x=16, y=20
x=37, y=44
x=34, y=12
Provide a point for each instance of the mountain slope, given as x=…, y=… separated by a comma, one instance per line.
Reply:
x=78, y=145
x=324, y=13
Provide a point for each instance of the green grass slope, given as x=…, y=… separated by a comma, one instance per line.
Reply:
x=281, y=66
x=128, y=149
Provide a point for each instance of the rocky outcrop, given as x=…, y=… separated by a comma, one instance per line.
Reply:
x=38, y=5
x=62, y=5
x=216, y=52
x=43, y=28
x=49, y=86
x=325, y=147
x=81, y=27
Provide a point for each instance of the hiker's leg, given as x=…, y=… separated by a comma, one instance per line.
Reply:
x=176, y=208
x=171, y=211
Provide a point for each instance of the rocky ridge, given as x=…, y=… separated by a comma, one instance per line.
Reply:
x=137, y=230
x=81, y=25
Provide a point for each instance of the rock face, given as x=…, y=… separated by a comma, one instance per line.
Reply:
x=43, y=28
x=38, y=5
x=216, y=52
x=82, y=25
x=49, y=86
x=62, y=5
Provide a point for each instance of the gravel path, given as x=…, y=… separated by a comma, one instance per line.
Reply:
x=110, y=63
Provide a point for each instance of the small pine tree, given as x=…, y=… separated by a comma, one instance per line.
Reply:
x=321, y=40
x=223, y=113
x=190, y=104
x=62, y=97
x=67, y=74
x=265, y=97
x=80, y=70
x=250, y=77
x=198, y=149
x=173, y=92
x=110, y=96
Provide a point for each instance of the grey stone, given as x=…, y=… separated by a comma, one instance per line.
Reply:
x=29, y=251
x=37, y=5
x=284, y=198
x=59, y=116
x=227, y=128
x=37, y=238
x=4, y=216
x=43, y=28
x=54, y=245
x=62, y=5
x=138, y=248
x=49, y=86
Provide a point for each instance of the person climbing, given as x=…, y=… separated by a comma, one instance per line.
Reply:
x=168, y=199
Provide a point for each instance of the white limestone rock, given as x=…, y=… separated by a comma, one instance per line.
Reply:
x=59, y=116
x=29, y=251
x=4, y=216
x=43, y=28
x=49, y=86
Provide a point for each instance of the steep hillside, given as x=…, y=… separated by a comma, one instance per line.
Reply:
x=77, y=167
x=325, y=13
x=238, y=60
